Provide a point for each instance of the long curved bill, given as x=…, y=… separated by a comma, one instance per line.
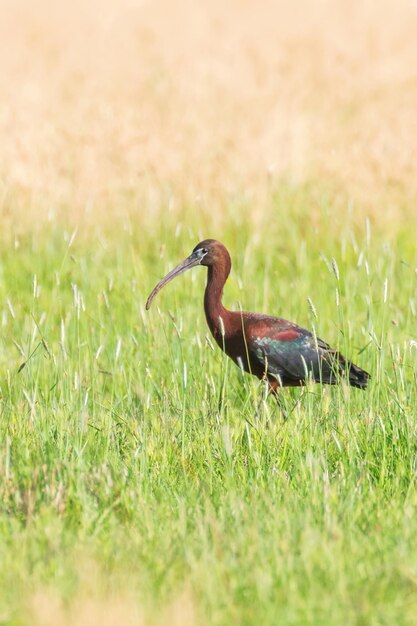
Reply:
x=187, y=264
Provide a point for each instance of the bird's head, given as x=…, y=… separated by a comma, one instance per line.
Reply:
x=208, y=252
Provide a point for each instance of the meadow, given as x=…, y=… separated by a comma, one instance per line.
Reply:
x=137, y=484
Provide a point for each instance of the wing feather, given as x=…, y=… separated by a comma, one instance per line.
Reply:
x=293, y=353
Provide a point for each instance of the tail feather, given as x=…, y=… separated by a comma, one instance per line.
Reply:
x=357, y=376
x=345, y=369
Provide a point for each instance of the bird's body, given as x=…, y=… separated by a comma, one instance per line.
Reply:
x=268, y=347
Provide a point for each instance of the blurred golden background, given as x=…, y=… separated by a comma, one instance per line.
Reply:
x=184, y=102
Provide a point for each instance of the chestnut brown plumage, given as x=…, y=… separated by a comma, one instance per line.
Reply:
x=271, y=348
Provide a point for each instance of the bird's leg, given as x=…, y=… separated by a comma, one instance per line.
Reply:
x=274, y=389
x=265, y=392
x=261, y=403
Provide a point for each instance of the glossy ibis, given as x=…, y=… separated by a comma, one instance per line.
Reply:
x=271, y=348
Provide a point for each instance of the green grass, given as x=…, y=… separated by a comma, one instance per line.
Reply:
x=132, y=466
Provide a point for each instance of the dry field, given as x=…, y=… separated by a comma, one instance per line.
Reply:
x=198, y=102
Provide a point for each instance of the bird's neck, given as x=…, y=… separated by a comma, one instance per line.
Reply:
x=216, y=314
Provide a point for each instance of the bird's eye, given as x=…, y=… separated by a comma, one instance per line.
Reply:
x=200, y=252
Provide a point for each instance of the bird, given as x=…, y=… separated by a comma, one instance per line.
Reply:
x=271, y=348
